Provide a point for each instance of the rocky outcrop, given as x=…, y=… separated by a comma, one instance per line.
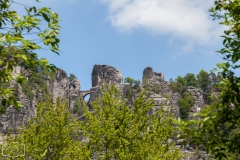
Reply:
x=101, y=74
x=94, y=94
x=156, y=80
x=159, y=102
x=104, y=74
x=59, y=87
x=199, y=101
x=174, y=104
x=160, y=86
x=74, y=88
x=14, y=119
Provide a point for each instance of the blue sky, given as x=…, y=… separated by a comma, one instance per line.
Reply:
x=174, y=36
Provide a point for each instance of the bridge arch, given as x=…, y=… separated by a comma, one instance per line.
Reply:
x=83, y=94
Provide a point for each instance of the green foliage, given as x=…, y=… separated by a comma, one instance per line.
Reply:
x=218, y=129
x=78, y=107
x=131, y=89
x=207, y=82
x=71, y=77
x=157, y=88
x=135, y=84
x=179, y=85
x=111, y=130
x=204, y=81
x=16, y=49
x=129, y=80
x=191, y=80
x=118, y=131
x=37, y=84
x=52, y=134
x=185, y=104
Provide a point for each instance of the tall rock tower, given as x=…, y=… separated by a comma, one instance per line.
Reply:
x=161, y=90
x=104, y=74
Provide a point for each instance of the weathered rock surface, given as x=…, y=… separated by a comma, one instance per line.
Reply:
x=199, y=101
x=74, y=88
x=59, y=87
x=157, y=82
x=104, y=74
x=156, y=79
x=159, y=102
x=62, y=88
x=174, y=104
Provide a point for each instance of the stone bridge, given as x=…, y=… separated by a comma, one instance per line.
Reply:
x=84, y=93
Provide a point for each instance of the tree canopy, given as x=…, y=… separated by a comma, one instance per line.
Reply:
x=218, y=126
x=16, y=48
x=118, y=131
x=111, y=130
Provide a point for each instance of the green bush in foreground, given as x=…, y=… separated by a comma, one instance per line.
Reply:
x=112, y=130
x=118, y=131
x=52, y=134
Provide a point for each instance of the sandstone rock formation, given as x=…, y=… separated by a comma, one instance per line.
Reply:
x=159, y=101
x=59, y=87
x=174, y=104
x=104, y=74
x=157, y=82
x=156, y=79
x=74, y=88
x=199, y=101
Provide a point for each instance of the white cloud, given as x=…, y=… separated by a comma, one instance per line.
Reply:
x=185, y=19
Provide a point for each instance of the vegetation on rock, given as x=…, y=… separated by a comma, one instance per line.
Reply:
x=185, y=103
x=204, y=81
x=52, y=134
x=78, y=107
x=71, y=77
x=131, y=89
x=118, y=131
x=218, y=126
x=111, y=130
x=16, y=49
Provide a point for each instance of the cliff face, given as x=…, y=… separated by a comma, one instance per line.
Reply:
x=62, y=88
x=104, y=74
x=199, y=101
x=160, y=91
x=158, y=84
x=156, y=79
x=59, y=86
